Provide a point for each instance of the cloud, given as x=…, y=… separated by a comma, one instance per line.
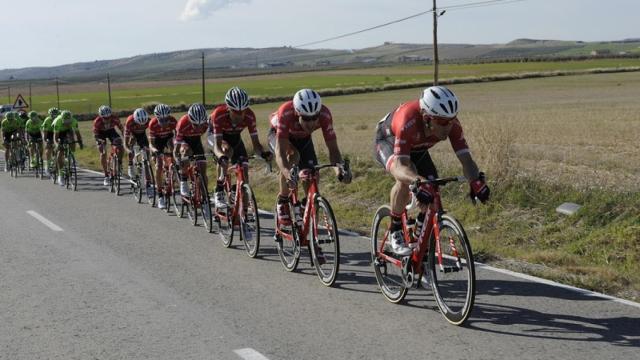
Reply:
x=201, y=9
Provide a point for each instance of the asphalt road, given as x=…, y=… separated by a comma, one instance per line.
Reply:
x=108, y=278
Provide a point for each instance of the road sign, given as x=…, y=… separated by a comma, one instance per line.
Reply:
x=20, y=103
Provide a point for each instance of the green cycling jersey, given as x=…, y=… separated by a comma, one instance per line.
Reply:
x=9, y=126
x=33, y=125
x=47, y=124
x=60, y=124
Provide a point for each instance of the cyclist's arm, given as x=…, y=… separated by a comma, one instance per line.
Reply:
x=282, y=144
x=469, y=167
x=257, y=147
x=403, y=170
x=334, y=153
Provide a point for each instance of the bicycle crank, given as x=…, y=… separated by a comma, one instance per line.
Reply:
x=408, y=275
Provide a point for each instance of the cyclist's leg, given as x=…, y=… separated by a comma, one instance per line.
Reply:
x=7, y=147
x=116, y=140
x=48, y=148
x=101, y=143
x=308, y=158
x=198, y=150
x=60, y=138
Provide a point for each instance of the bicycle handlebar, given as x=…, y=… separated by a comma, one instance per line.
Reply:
x=439, y=182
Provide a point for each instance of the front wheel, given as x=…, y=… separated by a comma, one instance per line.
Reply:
x=249, y=221
x=174, y=184
x=388, y=274
x=325, y=247
x=452, y=271
x=225, y=220
x=149, y=183
x=288, y=241
x=72, y=172
x=205, y=205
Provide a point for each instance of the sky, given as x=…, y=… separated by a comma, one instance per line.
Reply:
x=56, y=32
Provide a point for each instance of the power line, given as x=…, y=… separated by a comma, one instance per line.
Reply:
x=451, y=7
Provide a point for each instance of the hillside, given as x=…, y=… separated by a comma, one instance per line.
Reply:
x=186, y=63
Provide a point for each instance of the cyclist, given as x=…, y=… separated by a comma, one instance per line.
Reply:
x=227, y=122
x=65, y=128
x=34, y=135
x=162, y=129
x=189, y=131
x=135, y=132
x=290, y=140
x=104, y=127
x=403, y=138
x=10, y=129
x=47, y=135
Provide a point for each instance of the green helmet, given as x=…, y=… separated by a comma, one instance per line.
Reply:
x=33, y=115
x=66, y=114
x=23, y=115
x=10, y=115
x=53, y=112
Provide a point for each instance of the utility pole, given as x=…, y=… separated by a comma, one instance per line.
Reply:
x=435, y=44
x=58, y=92
x=109, y=87
x=30, y=101
x=203, y=94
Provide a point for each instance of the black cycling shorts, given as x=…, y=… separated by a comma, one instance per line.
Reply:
x=35, y=137
x=7, y=136
x=195, y=144
x=304, y=146
x=141, y=140
x=237, y=145
x=110, y=134
x=161, y=143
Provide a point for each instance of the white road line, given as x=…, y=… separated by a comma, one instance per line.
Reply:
x=250, y=354
x=45, y=221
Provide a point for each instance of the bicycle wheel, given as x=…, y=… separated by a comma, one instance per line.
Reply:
x=226, y=229
x=452, y=271
x=288, y=241
x=178, y=207
x=39, y=164
x=325, y=249
x=249, y=221
x=149, y=181
x=72, y=172
x=118, y=174
x=388, y=275
x=205, y=205
x=192, y=205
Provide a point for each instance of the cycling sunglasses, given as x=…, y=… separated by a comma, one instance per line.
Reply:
x=309, y=118
x=440, y=121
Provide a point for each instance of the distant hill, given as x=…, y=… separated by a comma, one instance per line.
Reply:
x=231, y=61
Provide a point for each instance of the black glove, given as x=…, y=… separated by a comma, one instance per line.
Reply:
x=345, y=176
x=479, y=190
x=81, y=144
x=423, y=193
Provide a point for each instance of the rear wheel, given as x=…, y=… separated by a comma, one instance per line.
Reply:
x=226, y=229
x=249, y=221
x=149, y=183
x=205, y=205
x=452, y=271
x=288, y=241
x=118, y=174
x=175, y=193
x=388, y=275
x=325, y=246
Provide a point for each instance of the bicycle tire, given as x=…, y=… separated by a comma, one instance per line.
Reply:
x=205, y=205
x=453, y=284
x=118, y=174
x=226, y=229
x=324, y=236
x=391, y=285
x=136, y=188
x=178, y=207
x=288, y=249
x=151, y=182
x=249, y=222
x=73, y=172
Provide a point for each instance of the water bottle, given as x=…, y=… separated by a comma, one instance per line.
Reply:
x=297, y=213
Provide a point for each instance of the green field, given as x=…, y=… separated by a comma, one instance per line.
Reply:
x=87, y=97
x=542, y=142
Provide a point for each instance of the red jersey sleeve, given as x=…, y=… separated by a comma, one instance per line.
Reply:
x=403, y=125
x=128, y=125
x=250, y=118
x=215, y=120
x=284, y=120
x=97, y=125
x=456, y=137
x=180, y=127
x=326, y=123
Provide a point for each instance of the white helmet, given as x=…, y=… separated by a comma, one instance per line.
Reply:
x=307, y=102
x=197, y=114
x=104, y=111
x=439, y=101
x=140, y=116
x=237, y=99
x=162, y=110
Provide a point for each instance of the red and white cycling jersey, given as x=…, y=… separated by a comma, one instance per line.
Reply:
x=185, y=129
x=101, y=124
x=221, y=122
x=131, y=127
x=407, y=125
x=287, y=125
x=162, y=131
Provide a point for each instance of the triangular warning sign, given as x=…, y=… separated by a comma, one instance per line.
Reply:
x=20, y=103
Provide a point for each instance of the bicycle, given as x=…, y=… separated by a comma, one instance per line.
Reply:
x=14, y=156
x=170, y=185
x=115, y=170
x=317, y=221
x=143, y=179
x=39, y=168
x=245, y=218
x=198, y=197
x=441, y=251
x=69, y=166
